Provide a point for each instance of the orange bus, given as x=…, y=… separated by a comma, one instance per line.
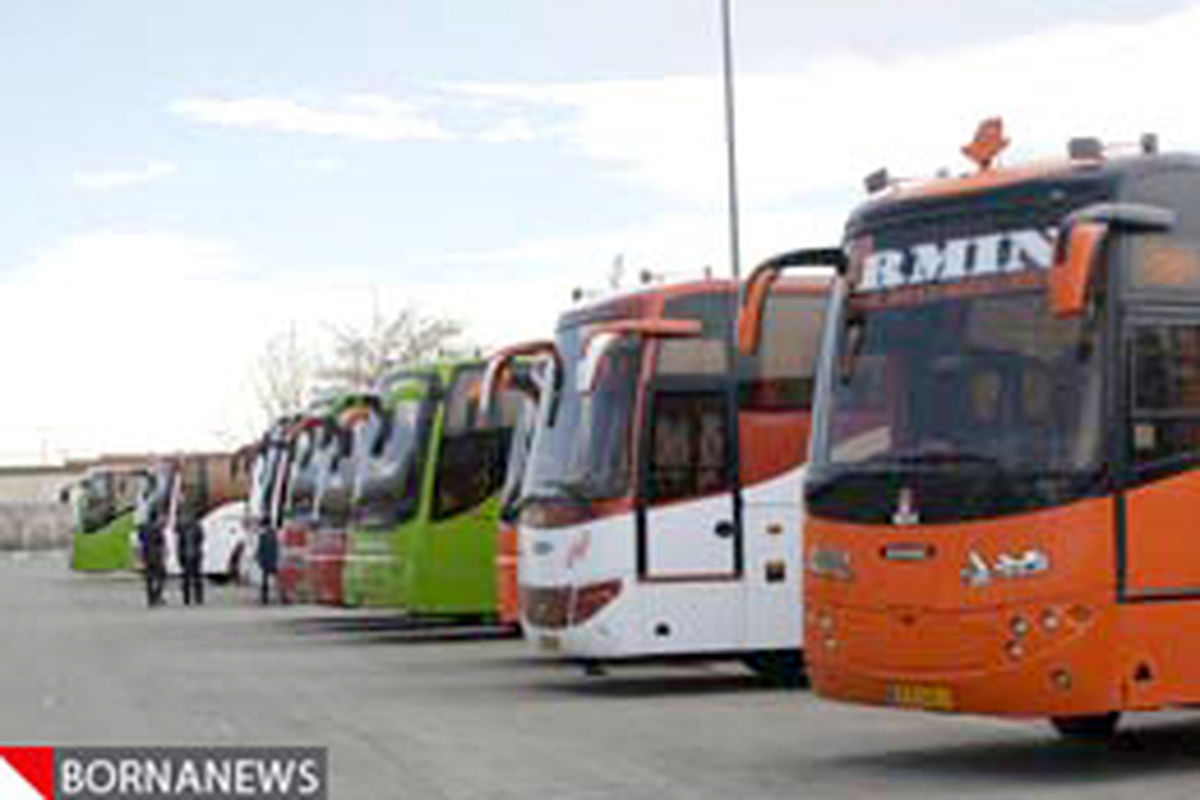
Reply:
x=1006, y=444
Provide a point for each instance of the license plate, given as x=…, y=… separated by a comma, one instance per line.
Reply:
x=923, y=696
x=550, y=644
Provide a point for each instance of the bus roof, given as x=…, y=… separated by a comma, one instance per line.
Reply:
x=648, y=301
x=938, y=192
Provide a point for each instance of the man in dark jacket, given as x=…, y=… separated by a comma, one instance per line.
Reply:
x=148, y=516
x=268, y=561
x=189, y=542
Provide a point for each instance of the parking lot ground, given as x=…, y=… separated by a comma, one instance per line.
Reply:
x=426, y=712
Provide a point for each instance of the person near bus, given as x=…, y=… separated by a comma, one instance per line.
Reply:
x=267, y=555
x=148, y=521
x=189, y=541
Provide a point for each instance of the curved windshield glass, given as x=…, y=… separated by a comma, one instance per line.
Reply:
x=94, y=507
x=473, y=451
x=337, y=481
x=518, y=459
x=305, y=470
x=956, y=408
x=582, y=448
x=388, y=479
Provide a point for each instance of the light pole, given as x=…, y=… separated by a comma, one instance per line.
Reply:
x=734, y=377
x=731, y=141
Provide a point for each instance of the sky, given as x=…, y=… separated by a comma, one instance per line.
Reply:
x=186, y=181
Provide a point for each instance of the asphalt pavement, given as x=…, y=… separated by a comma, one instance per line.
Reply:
x=412, y=711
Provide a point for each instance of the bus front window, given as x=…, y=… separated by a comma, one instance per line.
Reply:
x=978, y=405
x=582, y=449
x=387, y=486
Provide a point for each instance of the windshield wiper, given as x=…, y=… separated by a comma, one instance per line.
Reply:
x=934, y=458
x=855, y=334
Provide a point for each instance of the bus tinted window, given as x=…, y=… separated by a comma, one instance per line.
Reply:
x=470, y=469
x=779, y=376
x=1166, y=392
x=689, y=445
x=1164, y=262
x=388, y=485
x=473, y=453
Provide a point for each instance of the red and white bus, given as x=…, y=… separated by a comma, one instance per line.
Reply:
x=658, y=510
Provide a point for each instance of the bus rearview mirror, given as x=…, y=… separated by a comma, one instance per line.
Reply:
x=1073, y=267
x=601, y=340
x=750, y=316
x=1081, y=238
x=498, y=373
x=595, y=351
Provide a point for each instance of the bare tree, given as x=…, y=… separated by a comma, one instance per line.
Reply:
x=363, y=354
x=283, y=375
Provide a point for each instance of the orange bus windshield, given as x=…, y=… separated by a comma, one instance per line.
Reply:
x=982, y=405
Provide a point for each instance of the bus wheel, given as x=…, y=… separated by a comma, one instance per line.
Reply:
x=783, y=668
x=1089, y=728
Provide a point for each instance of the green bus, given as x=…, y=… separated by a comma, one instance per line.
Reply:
x=424, y=507
x=102, y=503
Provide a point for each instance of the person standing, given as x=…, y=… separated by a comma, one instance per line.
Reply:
x=268, y=561
x=189, y=543
x=148, y=518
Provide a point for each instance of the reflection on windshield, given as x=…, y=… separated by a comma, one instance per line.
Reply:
x=584, y=453
x=518, y=459
x=387, y=479
x=988, y=393
x=306, y=467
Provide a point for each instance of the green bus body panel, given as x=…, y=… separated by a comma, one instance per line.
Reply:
x=106, y=550
x=424, y=566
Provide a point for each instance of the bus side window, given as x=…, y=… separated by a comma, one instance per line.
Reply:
x=689, y=445
x=1166, y=394
x=470, y=469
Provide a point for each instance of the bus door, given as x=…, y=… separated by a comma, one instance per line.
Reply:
x=1163, y=356
x=688, y=530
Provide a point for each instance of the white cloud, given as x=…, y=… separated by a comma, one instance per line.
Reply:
x=147, y=340
x=367, y=117
x=322, y=164
x=823, y=127
x=101, y=180
x=510, y=131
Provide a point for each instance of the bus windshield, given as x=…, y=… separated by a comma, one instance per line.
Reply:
x=305, y=471
x=518, y=459
x=953, y=393
x=977, y=406
x=583, y=451
x=388, y=480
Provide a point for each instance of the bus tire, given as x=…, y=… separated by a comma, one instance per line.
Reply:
x=1087, y=728
x=782, y=668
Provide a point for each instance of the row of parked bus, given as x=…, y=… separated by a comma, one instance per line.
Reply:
x=949, y=464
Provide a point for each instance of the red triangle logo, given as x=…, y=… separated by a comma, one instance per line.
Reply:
x=26, y=773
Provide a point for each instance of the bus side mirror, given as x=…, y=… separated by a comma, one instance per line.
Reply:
x=499, y=373
x=1080, y=241
x=750, y=317
x=601, y=340
x=594, y=353
x=1074, y=265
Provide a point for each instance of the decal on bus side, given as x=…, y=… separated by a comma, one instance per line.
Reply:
x=953, y=260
